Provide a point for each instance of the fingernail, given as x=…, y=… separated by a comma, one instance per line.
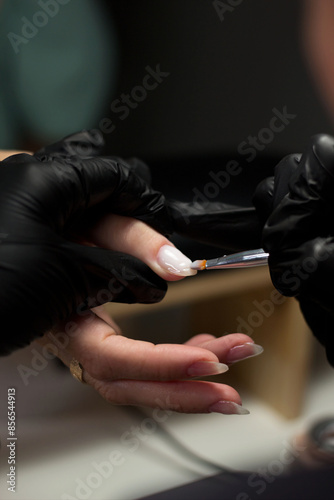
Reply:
x=228, y=408
x=206, y=368
x=244, y=351
x=173, y=261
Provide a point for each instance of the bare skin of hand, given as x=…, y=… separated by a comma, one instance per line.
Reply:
x=131, y=372
x=4, y=153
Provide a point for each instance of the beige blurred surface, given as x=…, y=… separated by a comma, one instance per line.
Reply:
x=72, y=444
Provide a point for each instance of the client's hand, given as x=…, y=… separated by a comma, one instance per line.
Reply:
x=131, y=372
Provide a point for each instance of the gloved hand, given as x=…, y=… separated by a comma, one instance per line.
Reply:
x=232, y=228
x=47, y=201
x=299, y=233
x=210, y=201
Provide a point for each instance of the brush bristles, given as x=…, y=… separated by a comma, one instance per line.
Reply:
x=198, y=264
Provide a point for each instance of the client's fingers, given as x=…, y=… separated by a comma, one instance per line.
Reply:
x=230, y=348
x=182, y=396
x=108, y=356
x=103, y=314
x=128, y=235
x=125, y=371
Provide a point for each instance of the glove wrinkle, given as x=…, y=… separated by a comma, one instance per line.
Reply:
x=45, y=277
x=231, y=228
x=299, y=233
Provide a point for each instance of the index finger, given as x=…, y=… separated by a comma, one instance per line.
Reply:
x=134, y=237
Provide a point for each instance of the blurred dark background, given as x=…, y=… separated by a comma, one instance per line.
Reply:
x=225, y=78
x=226, y=73
x=221, y=76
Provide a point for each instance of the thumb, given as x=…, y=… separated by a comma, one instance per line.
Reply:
x=271, y=191
x=263, y=199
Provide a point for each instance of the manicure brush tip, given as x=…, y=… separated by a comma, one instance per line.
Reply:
x=198, y=264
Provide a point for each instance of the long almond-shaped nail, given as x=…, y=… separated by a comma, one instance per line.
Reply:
x=228, y=408
x=174, y=261
x=206, y=368
x=243, y=351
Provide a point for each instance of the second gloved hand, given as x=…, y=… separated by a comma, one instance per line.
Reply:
x=298, y=204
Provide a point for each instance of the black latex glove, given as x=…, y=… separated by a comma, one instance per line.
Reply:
x=232, y=228
x=299, y=233
x=44, y=200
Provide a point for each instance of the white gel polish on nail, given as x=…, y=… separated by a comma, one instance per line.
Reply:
x=173, y=261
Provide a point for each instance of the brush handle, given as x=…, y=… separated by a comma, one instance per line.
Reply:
x=248, y=258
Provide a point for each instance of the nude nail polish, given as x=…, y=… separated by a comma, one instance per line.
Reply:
x=206, y=368
x=243, y=351
x=174, y=261
x=228, y=408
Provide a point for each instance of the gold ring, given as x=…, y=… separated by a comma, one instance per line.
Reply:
x=77, y=370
